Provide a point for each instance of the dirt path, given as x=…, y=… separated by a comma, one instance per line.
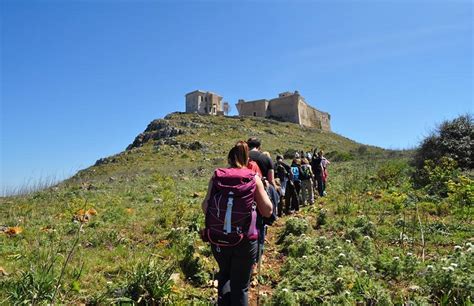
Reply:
x=272, y=261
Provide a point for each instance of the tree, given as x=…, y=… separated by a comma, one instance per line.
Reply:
x=453, y=139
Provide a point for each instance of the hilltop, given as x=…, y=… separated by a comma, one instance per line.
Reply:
x=126, y=228
x=183, y=141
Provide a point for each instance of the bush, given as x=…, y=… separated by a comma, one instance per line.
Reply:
x=452, y=139
x=434, y=176
x=391, y=173
x=337, y=156
x=294, y=226
x=148, y=283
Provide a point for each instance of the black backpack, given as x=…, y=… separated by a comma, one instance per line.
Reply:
x=305, y=172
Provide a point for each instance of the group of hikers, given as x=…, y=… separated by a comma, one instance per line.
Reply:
x=247, y=196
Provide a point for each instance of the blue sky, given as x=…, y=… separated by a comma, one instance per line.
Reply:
x=80, y=79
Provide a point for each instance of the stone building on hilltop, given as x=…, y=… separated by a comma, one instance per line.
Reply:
x=290, y=107
x=204, y=102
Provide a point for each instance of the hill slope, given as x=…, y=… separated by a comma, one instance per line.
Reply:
x=119, y=230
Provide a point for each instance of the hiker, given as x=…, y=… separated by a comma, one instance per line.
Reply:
x=230, y=195
x=318, y=171
x=307, y=195
x=324, y=164
x=282, y=173
x=313, y=168
x=293, y=187
x=264, y=162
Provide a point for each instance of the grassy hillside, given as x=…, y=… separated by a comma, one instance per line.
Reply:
x=121, y=229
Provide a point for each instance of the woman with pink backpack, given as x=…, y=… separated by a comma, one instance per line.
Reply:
x=233, y=197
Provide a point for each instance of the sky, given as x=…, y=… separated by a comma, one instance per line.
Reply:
x=80, y=79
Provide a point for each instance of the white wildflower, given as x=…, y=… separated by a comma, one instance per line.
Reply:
x=363, y=272
x=347, y=292
x=327, y=247
x=340, y=266
x=448, y=268
x=430, y=267
x=409, y=254
x=339, y=279
x=457, y=247
x=367, y=237
x=284, y=290
x=342, y=255
x=454, y=265
x=348, y=241
x=396, y=258
x=304, y=257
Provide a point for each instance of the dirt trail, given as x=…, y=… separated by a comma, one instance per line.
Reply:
x=272, y=261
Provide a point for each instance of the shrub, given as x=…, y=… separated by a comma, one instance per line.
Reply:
x=322, y=218
x=337, y=156
x=284, y=297
x=461, y=191
x=149, y=283
x=294, y=226
x=193, y=268
x=435, y=175
x=450, y=138
x=365, y=226
x=391, y=173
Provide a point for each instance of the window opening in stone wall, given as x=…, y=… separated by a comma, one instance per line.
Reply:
x=255, y=114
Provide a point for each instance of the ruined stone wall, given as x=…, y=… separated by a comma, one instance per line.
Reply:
x=290, y=107
x=257, y=108
x=284, y=108
x=192, y=104
x=312, y=117
x=325, y=121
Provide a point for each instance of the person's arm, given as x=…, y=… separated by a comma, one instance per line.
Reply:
x=264, y=205
x=208, y=194
x=271, y=177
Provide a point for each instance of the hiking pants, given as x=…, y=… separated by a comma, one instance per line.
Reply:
x=320, y=185
x=292, y=196
x=307, y=191
x=235, y=269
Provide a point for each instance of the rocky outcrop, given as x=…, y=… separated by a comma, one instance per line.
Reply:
x=159, y=129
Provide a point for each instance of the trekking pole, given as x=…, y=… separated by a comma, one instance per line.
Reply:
x=259, y=261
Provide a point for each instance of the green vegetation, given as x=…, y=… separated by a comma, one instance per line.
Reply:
x=126, y=229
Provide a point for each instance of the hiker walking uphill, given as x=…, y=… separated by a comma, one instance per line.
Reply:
x=324, y=163
x=292, y=193
x=318, y=170
x=307, y=195
x=263, y=161
x=231, y=214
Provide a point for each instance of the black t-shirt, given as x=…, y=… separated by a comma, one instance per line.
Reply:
x=264, y=162
x=316, y=166
x=282, y=170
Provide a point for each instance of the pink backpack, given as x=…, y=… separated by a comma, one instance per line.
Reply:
x=231, y=209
